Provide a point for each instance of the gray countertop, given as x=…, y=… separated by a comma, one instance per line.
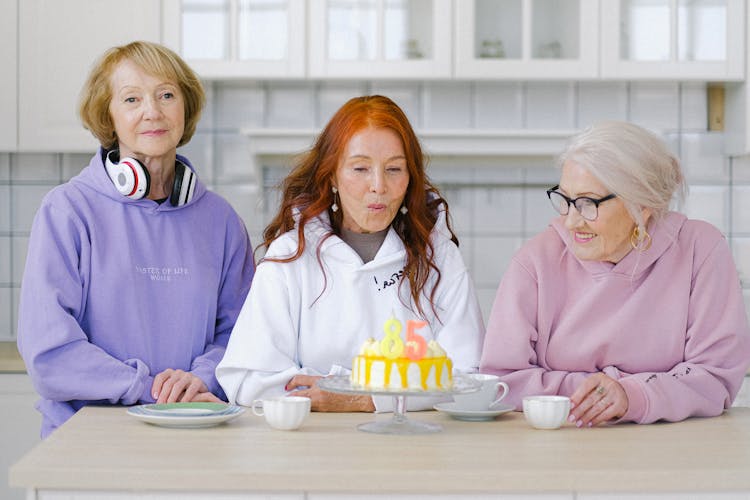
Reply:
x=10, y=360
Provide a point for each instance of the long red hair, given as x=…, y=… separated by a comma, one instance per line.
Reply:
x=307, y=189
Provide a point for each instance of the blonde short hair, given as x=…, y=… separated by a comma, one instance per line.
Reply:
x=154, y=59
x=633, y=163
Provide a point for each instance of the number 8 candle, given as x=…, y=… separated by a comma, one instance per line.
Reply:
x=392, y=346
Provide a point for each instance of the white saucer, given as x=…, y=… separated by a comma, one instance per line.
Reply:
x=185, y=415
x=472, y=415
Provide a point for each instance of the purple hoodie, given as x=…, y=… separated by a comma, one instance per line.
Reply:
x=668, y=323
x=116, y=291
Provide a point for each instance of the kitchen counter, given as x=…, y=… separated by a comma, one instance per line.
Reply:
x=10, y=360
x=104, y=449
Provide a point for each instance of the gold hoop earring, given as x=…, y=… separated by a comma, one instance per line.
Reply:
x=638, y=241
x=334, y=206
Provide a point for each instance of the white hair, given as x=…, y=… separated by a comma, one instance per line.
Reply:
x=633, y=163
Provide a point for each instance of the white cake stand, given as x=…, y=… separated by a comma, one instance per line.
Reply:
x=399, y=424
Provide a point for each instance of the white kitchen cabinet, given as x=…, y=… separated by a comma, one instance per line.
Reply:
x=673, y=39
x=58, y=43
x=526, y=39
x=19, y=426
x=9, y=63
x=380, y=39
x=226, y=39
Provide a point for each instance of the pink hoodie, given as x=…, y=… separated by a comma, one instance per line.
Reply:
x=668, y=323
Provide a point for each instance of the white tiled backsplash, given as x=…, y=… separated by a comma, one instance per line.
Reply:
x=497, y=202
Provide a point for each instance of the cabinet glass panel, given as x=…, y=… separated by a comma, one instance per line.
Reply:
x=205, y=29
x=369, y=30
x=263, y=29
x=701, y=30
x=498, y=29
x=407, y=29
x=645, y=30
x=352, y=29
x=555, y=29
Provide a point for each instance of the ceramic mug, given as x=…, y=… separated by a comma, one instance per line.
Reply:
x=285, y=413
x=486, y=398
x=546, y=412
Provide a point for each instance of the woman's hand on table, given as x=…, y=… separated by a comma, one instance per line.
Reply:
x=207, y=397
x=307, y=385
x=598, y=399
x=172, y=386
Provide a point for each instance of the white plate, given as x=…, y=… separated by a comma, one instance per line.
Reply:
x=195, y=409
x=185, y=415
x=472, y=415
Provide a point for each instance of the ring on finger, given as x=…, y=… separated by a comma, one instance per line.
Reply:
x=600, y=390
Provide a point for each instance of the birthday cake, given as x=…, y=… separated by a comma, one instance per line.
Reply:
x=395, y=364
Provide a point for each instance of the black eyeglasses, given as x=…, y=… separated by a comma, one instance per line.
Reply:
x=587, y=207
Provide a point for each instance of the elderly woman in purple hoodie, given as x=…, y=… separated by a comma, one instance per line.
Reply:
x=632, y=310
x=135, y=272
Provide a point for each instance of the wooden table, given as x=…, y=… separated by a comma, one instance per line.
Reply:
x=106, y=450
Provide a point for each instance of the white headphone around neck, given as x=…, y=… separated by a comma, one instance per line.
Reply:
x=132, y=180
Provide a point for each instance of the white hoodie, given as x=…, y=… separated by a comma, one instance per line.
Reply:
x=298, y=319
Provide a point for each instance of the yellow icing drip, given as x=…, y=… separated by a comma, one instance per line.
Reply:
x=402, y=366
x=388, y=366
x=424, y=371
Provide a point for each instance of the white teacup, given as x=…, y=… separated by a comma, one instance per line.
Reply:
x=546, y=412
x=285, y=413
x=486, y=398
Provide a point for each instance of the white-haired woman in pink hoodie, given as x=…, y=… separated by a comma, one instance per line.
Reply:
x=632, y=310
